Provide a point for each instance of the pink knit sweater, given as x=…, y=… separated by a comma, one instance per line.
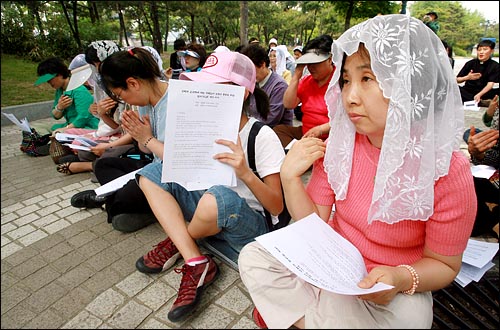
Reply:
x=446, y=232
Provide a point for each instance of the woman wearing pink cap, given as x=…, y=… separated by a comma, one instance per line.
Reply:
x=233, y=215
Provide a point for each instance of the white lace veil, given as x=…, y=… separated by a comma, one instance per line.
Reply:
x=424, y=121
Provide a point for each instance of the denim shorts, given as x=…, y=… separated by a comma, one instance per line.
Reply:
x=239, y=223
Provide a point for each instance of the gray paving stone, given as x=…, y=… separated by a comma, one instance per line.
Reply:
x=40, y=278
x=76, y=276
x=16, y=317
x=134, y=283
x=21, y=256
x=106, y=304
x=57, y=251
x=234, y=300
x=102, y=259
x=84, y=320
x=129, y=316
x=81, y=238
x=101, y=281
x=12, y=296
x=46, y=320
x=72, y=303
x=28, y=267
x=93, y=247
x=156, y=295
x=68, y=261
x=46, y=296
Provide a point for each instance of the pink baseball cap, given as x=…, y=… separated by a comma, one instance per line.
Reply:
x=224, y=67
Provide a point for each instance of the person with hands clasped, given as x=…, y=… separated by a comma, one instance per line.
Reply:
x=392, y=165
x=72, y=106
x=484, y=149
x=133, y=77
x=234, y=215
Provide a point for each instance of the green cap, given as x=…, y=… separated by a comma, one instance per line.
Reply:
x=44, y=78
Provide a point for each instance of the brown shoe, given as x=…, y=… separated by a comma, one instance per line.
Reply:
x=194, y=280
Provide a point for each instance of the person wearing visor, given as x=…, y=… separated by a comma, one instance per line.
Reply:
x=70, y=106
x=194, y=56
x=431, y=21
x=310, y=91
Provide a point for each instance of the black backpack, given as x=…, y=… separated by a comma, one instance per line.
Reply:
x=284, y=217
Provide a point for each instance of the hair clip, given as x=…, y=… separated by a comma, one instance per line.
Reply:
x=131, y=52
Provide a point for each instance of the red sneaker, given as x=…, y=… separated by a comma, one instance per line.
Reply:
x=257, y=318
x=194, y=280
x=161, y=258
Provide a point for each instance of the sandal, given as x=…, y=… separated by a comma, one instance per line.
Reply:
x=64, y=168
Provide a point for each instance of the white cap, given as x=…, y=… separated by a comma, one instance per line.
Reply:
x=273, y=41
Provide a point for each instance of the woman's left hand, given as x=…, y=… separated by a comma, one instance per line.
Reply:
x=235, y=159
x=385, y=274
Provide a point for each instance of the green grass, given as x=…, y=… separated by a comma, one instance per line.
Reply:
x=18, y=77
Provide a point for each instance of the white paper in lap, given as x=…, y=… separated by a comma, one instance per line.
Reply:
x=316, y=253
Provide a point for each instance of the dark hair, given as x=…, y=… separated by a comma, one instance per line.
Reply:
x=118, y=67
x=257, y=54
x=261, y=102
x=179, y=44
x=252, y=39
x=53, y=65
x=200, y=50
x=363, y=52
x=91, y=55
x=239, y=48
x=486, y=43
x=323, y=42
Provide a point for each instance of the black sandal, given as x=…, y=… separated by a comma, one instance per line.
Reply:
x=64, y=168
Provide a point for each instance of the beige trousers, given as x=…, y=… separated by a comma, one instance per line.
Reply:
x=282, y=298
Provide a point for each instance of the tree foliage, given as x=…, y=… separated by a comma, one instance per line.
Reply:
x=38, y=29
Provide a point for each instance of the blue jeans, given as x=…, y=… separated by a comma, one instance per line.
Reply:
x=239, y=223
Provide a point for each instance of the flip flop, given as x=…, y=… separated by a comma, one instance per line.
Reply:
x=64, y=168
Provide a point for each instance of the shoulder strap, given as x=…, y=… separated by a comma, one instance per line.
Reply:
x=251, y=145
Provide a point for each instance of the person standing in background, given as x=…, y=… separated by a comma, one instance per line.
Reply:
x=431, y=21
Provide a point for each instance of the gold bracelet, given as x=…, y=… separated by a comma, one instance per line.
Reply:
x=415, y=278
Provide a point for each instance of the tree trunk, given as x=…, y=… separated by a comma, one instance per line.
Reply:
x=122, y=24
x=68, y=20
x=191, y=29
x=349, y=15
x=243, y=23
x=157, y=44
x=167, y=23
x=75, y=24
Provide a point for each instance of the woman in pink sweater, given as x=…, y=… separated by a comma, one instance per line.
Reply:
x=402, y=189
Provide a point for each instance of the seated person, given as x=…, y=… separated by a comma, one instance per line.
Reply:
x=232, y=214
x=277, y=62
x=274, y=86
x=71, y=106
x=131, y=76
x=194, y=56
x=484, y=148
x=310, y=92
x=479, y=74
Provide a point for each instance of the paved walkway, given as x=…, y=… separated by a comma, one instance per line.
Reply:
x=67, y=268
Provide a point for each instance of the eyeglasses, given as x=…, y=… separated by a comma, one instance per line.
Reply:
x=117, y=97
